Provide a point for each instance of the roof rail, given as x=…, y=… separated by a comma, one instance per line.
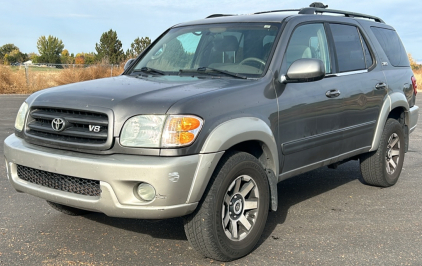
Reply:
x=313, y=10
x=275, y=11
x=219, y=15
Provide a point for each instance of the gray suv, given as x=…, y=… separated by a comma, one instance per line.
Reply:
x=213, y=114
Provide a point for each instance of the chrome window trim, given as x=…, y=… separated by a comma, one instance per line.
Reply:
x=348, y=73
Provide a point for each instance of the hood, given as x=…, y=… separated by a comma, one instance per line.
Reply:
x=127, y=96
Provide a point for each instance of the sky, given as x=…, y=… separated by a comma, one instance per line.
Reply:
x=80, y=23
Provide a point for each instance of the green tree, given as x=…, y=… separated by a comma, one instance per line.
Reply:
x=49, y=49
x=90, y=58
x=6, y=49
x=110, y=48
x=65, y=58
x=9, y=54
x=138, y=46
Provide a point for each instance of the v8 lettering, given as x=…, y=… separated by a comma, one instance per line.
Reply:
x=94, y=128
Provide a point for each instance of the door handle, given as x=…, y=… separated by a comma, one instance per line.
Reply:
x=381, y=86
x=332, y=93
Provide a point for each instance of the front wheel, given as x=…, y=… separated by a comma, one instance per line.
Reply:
x=231, y=217
x=383, y=167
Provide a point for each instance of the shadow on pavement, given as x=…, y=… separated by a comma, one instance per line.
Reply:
x=306, y=186
x=290, y=192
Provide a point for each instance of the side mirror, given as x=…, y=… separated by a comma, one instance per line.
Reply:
x=128, y=63
x=304, y=70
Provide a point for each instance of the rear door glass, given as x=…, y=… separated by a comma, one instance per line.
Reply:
x=368, y=57
x=348, y=47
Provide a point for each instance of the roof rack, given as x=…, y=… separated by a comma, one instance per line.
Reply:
x=314, y=10
x=275, y=11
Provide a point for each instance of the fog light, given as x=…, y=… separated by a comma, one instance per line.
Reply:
x=146, y=191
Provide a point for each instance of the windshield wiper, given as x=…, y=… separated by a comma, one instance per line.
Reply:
x=207, y=70
x=149, y=70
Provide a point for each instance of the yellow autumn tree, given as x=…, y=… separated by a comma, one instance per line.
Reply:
x=413, y=63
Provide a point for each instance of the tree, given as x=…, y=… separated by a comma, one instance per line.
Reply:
x=65, y=58
x=49, y=49
x=65, y=52
x=9, y=54
x=138, y=46
x=90, y=58
x=110, y=48
x=413, y=63
x=5, y=50
x=80, y=59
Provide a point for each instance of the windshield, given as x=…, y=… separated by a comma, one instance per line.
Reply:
x=234, y=50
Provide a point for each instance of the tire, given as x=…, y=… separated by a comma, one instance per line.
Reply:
x=382, y=168
x=222, y=227
x=66, y=209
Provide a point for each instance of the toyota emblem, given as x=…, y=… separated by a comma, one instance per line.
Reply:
x=58, y=124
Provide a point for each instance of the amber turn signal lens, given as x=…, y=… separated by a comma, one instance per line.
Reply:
x=189, y=123
x=186, y=137
x=181, y=130
x=184, y=123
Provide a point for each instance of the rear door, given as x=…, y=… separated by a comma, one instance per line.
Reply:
x=362, y=85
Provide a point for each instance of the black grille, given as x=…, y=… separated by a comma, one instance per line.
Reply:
x=66, y=183
x=80, y=127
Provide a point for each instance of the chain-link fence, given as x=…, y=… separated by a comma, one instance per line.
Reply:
x=28, y=78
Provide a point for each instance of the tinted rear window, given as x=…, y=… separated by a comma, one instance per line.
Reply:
x=392, y=46
x=348, y=47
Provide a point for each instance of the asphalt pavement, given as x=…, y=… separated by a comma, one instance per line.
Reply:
x=325, y=217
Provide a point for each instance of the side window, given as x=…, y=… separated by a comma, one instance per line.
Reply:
x=348, y=47
x=392, y=46
x=307, y=41
x=176, y=54
x=368, y=57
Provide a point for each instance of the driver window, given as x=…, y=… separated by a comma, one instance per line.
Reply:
x=307, y=41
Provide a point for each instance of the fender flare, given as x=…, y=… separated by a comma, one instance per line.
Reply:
x=225, y=136
x=391, y=102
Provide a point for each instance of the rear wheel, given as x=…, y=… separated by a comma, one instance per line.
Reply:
x=66, y=209
x=383, y=167
x=230, y=219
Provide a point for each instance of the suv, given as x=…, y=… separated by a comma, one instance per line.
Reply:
x=213, y=114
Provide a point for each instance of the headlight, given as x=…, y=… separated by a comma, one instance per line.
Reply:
x=143, y=131
x=20, y=118
x=156, y=131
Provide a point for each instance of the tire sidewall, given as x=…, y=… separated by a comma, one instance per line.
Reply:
x=236, y=249
x=393, y=126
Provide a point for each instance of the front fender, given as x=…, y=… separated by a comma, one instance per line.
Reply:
x=225, y=136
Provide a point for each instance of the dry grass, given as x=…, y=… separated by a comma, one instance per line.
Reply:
x=14, y=81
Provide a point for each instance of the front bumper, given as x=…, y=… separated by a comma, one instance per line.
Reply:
x=172, y=177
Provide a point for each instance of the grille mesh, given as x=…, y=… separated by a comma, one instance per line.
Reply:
x=78, y=127
x=66, y=183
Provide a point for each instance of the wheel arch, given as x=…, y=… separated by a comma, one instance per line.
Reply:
x=395, y=106
x=248, y=134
